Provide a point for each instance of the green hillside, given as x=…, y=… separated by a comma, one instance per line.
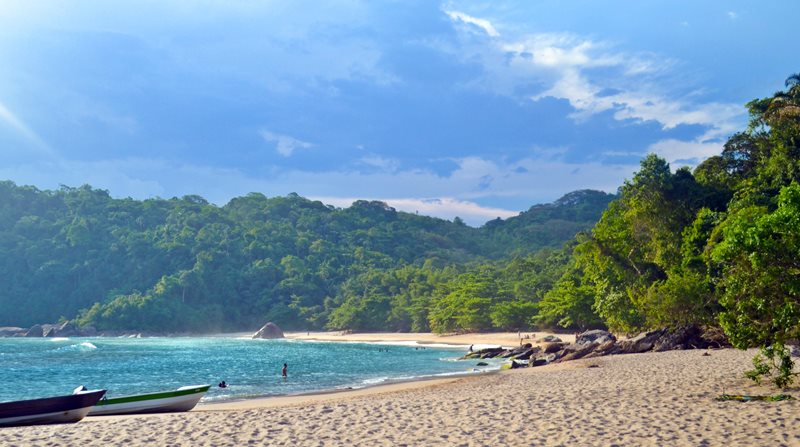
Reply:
x=187, y=265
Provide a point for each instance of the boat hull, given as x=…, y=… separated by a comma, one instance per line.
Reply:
x=183, y=399
x=49, y=410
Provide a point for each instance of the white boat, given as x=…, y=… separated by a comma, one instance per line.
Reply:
x=49, y=410
x=182, y=399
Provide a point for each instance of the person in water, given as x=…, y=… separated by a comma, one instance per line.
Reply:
x=283, y=371
x=223, y=384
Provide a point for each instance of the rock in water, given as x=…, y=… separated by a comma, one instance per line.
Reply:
x=269, y=330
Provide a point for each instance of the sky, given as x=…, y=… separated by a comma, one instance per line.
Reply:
x=474, y=109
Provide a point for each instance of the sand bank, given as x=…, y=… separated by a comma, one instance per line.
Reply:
x=651, y=399
x=478, y=339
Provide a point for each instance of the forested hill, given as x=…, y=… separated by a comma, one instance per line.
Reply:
x=187, y=265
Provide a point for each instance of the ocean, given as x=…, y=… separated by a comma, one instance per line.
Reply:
x=43, y=367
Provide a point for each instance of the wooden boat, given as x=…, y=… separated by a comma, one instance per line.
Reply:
x=49, y=410
x=182, y=399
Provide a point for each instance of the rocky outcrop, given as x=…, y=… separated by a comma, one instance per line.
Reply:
x=35, y=331
x=66, y=329
x=269, y=331
x=597, y=343
x=598, y=336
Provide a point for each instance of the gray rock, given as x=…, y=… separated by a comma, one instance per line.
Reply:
x=537, y=362
x=550, y=339
x=490, y=353
x=269, y=331
x=88, y=331
x=596, y=335
x=582, y=351
x=9, y=331
x=528, y=353
x=66, y=329
x=35, y=331
x=642, y=342
x=553, y=347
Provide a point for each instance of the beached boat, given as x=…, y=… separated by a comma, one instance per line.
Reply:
x=49, y=410
x=182, y=399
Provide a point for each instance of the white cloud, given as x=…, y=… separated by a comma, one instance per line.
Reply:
x=284, y=144
x=732, y=15
x=484, y=25
x=633, y=87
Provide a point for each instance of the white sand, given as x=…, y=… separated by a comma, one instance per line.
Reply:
x=653, y=399
x=485, y=339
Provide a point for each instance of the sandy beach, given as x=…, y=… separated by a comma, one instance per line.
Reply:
x=651, y=399
x=479, y=340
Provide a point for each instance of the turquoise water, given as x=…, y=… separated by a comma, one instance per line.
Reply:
x=44, y=367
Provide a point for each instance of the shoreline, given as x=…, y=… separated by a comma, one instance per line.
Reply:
x=391, y=385
x=478, y=339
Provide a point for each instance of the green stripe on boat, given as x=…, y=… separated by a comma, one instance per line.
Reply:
x=164, y=395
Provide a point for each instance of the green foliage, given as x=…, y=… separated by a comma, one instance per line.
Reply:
x=760, y=285
x=570, y=303
x=513, y=315
x=721, y=244
x=184, y=264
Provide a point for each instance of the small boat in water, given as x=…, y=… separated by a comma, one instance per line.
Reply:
x=49, y=410
x=182, y=399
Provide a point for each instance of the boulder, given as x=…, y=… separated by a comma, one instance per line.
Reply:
x=537, y=362
x=87, y=331
x=269, y=331
x=527, y=353
x=515, y=365
x=550, y=339
x=582, y=351
x=490, y=353
x=714, y=337
x=517, y=351
x=594, y=336
x=486, y=353
x=482, y=364
x=553, y=347
x=607, y=348
x=35, y=331
x=642, y=342
x=66, y=329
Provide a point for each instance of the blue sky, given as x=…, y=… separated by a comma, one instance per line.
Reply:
x=470, y=109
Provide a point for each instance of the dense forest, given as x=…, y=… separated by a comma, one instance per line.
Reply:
x=184, y=265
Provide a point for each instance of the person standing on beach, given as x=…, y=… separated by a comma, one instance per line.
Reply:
x=283, y=371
